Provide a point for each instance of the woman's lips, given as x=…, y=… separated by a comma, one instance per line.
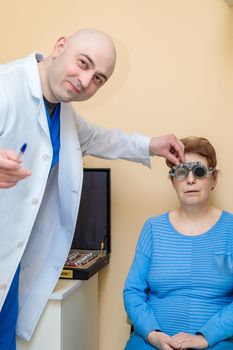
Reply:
x=192, y=191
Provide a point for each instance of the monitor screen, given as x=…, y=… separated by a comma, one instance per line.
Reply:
x=93, y=222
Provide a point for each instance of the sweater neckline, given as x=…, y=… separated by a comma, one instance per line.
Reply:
x=205, y=233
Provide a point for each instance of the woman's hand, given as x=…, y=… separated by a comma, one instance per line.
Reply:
x=163, y=341
x=191, y=341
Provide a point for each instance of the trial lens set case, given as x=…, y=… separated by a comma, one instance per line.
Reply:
x=90, y=249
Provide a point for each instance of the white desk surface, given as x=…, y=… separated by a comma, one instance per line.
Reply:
x=64, y=288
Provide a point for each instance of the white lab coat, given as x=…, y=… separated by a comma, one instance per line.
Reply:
x=38, y=215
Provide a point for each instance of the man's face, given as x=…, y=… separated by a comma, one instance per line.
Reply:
x=79, y=68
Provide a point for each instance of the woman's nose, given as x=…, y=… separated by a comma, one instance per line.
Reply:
x=190, y=178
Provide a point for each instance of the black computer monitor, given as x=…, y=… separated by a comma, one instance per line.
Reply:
x=93, y=222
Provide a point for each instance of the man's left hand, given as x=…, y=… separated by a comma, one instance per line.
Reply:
x=168, y=146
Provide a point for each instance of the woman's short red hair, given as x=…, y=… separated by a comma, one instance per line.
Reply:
x=201, y=146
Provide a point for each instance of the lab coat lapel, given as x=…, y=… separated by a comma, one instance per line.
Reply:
x=42, y=118
x=70, y=173
x=34, y=84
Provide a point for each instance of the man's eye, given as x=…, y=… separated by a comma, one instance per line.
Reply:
x=98, y=80
x=83, y=64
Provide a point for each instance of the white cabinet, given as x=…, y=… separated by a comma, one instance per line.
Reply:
x=70, y=318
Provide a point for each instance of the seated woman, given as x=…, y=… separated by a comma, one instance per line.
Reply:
x=179, y=290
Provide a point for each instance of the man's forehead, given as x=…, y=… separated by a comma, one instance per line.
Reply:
x=97, y=46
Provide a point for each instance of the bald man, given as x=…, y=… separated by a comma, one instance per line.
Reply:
x=38, y=216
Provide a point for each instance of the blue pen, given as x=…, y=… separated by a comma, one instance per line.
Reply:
x=22, y=150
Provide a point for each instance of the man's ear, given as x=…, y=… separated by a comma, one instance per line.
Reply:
x=59, y=46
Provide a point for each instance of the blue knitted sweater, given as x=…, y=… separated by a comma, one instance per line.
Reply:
x=180, y=283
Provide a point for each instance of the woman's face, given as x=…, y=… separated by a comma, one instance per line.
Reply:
x=193, y=191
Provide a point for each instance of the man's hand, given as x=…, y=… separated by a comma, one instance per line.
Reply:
x=163, y=341
x=168, y=146
x=10, y=170
x=191, y=341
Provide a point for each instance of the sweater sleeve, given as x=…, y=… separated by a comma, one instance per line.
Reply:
x=137, y=288
x=219, y=327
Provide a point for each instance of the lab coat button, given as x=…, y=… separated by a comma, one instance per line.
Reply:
x=20, y=244
x=3, y=286
x=45, y=157
x=34, y=201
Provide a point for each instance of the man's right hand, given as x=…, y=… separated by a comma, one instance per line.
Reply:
x=10, y=170
x=162, y=341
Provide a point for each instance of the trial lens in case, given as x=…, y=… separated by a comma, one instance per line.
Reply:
x=91, y=246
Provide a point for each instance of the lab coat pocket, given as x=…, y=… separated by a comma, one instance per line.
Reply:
x=223, y=263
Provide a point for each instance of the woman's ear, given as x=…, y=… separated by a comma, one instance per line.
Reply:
x=172, y=182
x=215, y=180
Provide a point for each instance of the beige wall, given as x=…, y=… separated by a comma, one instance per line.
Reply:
x=174, y=74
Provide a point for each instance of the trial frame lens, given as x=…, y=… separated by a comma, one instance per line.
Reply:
x=182, y=170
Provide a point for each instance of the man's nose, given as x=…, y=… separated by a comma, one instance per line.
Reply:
x=85, y=78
